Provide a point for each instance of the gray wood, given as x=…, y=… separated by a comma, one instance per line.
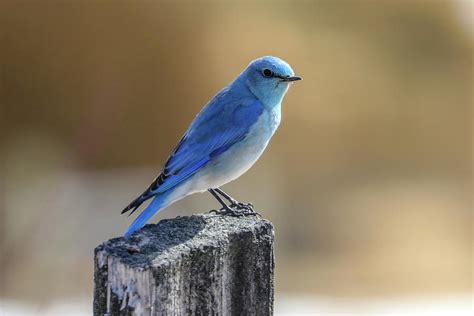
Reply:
x=198, y=265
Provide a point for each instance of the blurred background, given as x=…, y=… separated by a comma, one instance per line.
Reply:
x=368, y=179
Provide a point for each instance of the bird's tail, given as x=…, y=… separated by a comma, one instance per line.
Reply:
x=158, y=203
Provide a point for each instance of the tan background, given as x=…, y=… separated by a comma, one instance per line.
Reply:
x=368, y=180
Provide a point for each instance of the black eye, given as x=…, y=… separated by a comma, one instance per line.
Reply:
x=267, y=72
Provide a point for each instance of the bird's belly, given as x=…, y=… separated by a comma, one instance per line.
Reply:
x=235, y=162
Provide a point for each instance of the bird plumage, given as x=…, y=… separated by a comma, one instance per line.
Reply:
x=224, y=140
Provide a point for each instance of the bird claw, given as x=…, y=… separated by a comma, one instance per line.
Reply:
x=243, y=206
x=237, y=209
x=230, y=212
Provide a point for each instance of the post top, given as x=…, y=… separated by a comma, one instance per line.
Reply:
x=161, y=243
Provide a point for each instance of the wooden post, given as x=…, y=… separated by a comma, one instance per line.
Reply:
x=204, y=264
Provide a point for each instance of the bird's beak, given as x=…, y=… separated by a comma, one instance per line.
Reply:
x=290, y=79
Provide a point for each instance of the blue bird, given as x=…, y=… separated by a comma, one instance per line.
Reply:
x=225, y=139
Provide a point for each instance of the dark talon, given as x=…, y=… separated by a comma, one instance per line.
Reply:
x=238, y=210
x=230, y=212
x=243, y=206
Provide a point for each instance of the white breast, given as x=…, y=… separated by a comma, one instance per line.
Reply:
x=235, y=161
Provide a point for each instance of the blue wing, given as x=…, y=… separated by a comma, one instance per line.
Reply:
x=223, y=122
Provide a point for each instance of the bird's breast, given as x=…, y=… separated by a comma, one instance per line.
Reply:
x=240, y=157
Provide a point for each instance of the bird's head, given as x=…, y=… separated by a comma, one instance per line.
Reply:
x=269, y=78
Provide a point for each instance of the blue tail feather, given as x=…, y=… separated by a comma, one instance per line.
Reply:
x=154, y=207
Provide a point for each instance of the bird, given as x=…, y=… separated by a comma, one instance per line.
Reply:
x=223, y=141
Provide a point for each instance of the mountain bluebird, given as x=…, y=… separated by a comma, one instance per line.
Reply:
x=225, y=139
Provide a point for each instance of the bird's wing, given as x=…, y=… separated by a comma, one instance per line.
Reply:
x=222, y=123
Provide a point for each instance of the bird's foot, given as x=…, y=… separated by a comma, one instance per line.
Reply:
x=228, y=211
x=237, y=209
x=246, y=208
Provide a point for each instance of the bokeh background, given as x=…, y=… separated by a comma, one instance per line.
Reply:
x=368, y=179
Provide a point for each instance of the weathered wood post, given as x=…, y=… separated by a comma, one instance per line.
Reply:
x=204, y=264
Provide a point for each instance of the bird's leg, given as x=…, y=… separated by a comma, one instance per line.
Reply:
x=231, y=200
x=247, y=207
x=225, y=210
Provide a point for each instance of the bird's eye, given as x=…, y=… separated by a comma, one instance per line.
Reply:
x=267, y=72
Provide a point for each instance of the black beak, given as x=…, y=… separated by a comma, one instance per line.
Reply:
x=294, y=78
